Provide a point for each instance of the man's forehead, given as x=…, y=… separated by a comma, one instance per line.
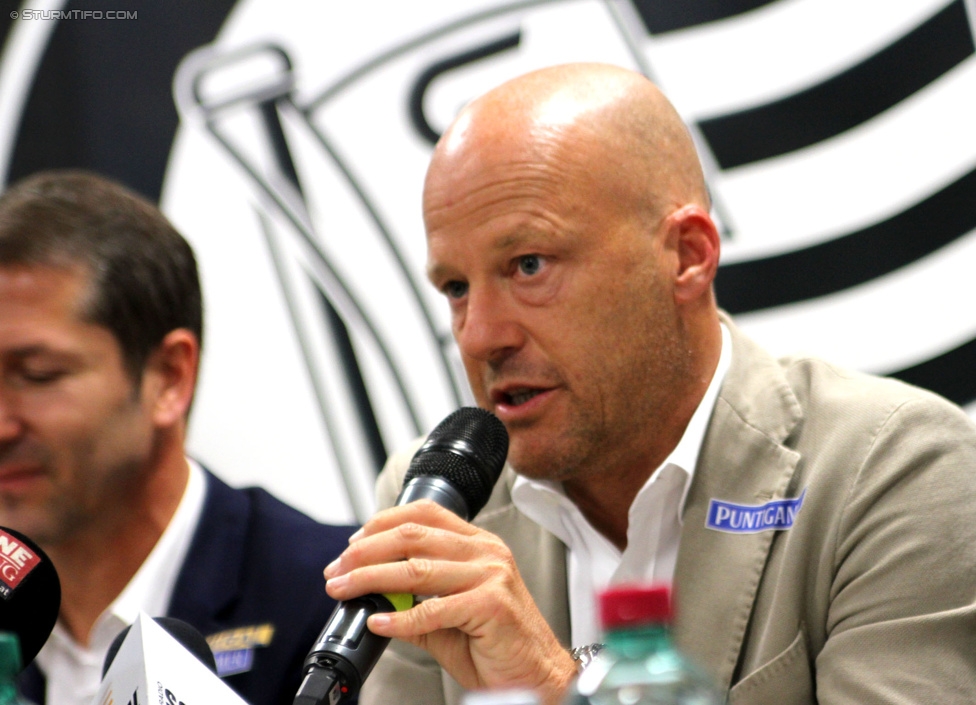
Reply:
x=61, y=267
x=48, y=289
x=441, y=247
x=497, y=127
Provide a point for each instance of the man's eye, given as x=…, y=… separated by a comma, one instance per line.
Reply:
x=455, y=289
x=530, y=264
x=41, y=376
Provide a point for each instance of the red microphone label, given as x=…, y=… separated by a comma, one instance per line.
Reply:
x=16, y=562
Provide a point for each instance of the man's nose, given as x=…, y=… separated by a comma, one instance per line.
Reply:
x=10, y=423
x=489, y=329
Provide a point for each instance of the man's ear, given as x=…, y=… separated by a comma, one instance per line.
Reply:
x=697, y=241
x=171, y=376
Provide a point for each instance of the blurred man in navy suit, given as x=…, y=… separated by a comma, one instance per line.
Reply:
x=100, y=331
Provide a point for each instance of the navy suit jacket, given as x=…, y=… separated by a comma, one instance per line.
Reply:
x=252, y=583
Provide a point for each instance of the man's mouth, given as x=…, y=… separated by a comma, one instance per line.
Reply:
x=16, y=479
x=17, y=470
x=19, y=463
x=519, y=397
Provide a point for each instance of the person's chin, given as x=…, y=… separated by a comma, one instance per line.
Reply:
x=538, y=458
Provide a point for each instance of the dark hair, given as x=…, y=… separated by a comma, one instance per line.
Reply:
x=142, y=273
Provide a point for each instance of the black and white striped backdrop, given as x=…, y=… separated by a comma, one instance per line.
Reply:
x=287, y=139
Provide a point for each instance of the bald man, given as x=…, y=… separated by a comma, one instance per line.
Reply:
x=816, y=523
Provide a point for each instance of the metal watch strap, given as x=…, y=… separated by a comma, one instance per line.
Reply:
x=584, y=655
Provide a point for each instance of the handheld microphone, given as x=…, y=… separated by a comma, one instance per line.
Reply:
x=30, y=593
x=456, y=467
x=189, y=637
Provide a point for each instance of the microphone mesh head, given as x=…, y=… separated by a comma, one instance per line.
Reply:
x=468, y=450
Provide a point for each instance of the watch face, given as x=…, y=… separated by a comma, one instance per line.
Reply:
x=584, y=655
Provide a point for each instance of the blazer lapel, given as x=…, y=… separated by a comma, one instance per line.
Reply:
x=31, y=684
x=211, y=575
x=742, y=461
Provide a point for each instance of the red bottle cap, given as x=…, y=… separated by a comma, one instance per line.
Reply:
x=634, y=605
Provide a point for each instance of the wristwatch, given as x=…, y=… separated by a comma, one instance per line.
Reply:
x=584, y=655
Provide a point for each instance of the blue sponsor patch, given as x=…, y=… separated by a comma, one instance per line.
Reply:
x=777, y=515
x=231, y=662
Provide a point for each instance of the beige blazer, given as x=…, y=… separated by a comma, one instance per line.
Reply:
x=870, y=597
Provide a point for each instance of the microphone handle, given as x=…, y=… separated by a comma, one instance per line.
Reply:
x=345, y=652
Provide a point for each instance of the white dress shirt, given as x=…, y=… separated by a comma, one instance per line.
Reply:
x=73, y=671
x=654, y=524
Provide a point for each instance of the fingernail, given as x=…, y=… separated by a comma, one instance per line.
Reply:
x=337, y=583
x=332, y=568
x=380, y=620
x=356, y=536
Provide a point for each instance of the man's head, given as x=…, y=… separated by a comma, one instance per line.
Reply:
x=567, y=223
x=142, y=273
x=100, y=322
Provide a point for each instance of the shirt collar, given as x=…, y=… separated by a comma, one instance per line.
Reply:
x=685, y=454
x=152, y=586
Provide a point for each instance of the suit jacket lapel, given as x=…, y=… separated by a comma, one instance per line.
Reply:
x=742, y=461
x=211, y=575
x=31, y=684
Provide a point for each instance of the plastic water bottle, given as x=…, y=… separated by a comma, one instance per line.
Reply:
x=9, y=668
x=639, y=664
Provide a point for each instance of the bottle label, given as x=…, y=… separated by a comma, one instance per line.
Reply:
x=777, y=515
